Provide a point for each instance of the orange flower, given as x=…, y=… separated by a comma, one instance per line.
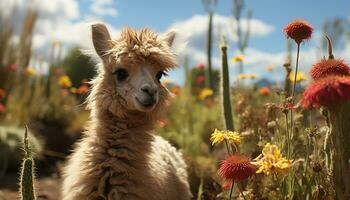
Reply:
x=298, y=30
x=176, y=91
x=264, y=91
x=2, y=93
x=83, y=89
x=2, y=108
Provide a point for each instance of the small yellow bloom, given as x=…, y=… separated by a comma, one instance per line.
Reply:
x=272, y=161
x=230, y=136
x=30, y=71
x=253, y=76
x=64, y=81
x=237, y=58
x=242, y=76
x=247, y=76
x=300, y=77
x=270, y=67
x=73, y=90
x=204, y=93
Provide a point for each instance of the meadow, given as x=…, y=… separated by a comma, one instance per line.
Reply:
x=241, y=139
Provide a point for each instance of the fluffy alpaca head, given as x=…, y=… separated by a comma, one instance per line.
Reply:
x=128, y=81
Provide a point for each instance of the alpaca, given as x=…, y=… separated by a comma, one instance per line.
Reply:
x=119, y=157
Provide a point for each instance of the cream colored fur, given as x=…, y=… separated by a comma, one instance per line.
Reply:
x=119, y=158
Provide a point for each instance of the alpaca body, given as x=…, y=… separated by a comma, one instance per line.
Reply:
x=119, y=158
x=125, y=165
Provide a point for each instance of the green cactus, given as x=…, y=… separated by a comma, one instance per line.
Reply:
x=225, y=89
x=27, y=172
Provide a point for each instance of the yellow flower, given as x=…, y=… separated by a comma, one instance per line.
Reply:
x=64, y=81
x=270, y=67
x=30, y=71
x=253, y=76
x=242, y=76
x=300, y=77
x=204, y=93
x=73, y=90
x=237, y=58
x=230, y=136
x=246, y=76
x=272, y=161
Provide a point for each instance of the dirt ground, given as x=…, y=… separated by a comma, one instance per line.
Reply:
x=47, y=188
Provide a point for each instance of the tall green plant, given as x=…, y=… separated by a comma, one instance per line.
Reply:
x=27, y=173
x=209, y=6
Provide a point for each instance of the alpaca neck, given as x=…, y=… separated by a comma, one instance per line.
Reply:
x=131, y=134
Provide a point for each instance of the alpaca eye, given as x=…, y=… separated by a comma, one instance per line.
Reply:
x=121, y=74
x=160, y=75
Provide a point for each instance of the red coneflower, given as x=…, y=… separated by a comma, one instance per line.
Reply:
x=298, y=30
x=200, y=66
x=236, y=168
x=200, y=79
x=327, y=92
x=2, y=108
x=327, y=67
x=2, y=93
x=12, y=67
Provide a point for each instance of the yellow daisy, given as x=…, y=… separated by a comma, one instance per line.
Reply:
x=272, y=161
x=237, y=58
x=230, y=136
x=300, y=77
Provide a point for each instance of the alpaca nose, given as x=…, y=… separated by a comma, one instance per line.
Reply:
x=151, y=91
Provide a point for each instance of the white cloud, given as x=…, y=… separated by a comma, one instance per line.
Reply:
x=256, y=60
x=195, y=28
x=103, y=8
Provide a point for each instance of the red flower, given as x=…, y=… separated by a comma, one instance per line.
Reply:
x=83, y=89
x=298, y=30
x=200, y=79
x=236, y=167
x=200, y=66
x=12, y=67
x=328, y=67
x=327, y=92
x=2, y=93
x=2, y=108
x=264, y=91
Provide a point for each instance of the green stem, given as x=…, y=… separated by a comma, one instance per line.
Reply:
x=241, y=190
x=231, y=190
x=296, y=71
x=288, y=135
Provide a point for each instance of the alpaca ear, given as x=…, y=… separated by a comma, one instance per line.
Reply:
x=101, y=39
x=169, y=38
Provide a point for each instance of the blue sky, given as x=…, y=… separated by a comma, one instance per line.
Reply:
x=67, y=21
x=159, y=14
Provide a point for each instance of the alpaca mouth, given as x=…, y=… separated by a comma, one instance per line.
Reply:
x=147, y=103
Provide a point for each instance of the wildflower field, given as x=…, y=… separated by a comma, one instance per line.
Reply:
x=279, y=131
